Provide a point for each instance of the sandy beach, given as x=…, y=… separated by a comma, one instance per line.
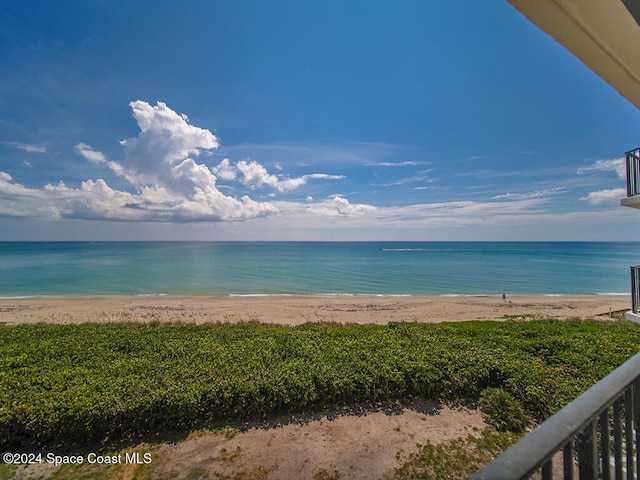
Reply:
x=295, y=310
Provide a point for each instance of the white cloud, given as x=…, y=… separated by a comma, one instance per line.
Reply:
x=397, y=164
x=20, y=201
x=464, y=212
x=416, y=177
x=172, y=185
x=225, y=170
x=526, y=195
x=95, y=200
x=605, y=196
x=255, y=175
x=170, y=181
x=89, y=153
x=533, y=211
x=617, y=165
x=25, y=147
x=166, y=140
x=169, y=184
x=166, y=181
x=340, y=206
x=323, y=176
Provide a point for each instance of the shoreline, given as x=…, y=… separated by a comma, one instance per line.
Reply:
x=298, y=309
x=302, y=295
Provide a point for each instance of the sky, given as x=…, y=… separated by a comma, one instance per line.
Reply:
x=315, y=120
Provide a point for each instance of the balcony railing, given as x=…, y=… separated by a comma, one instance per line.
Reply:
x=633, y=172
x=635, y=288
x=594, y=437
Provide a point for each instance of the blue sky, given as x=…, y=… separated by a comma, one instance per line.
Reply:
x=289, y=120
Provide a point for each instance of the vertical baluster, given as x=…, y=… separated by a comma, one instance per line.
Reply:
x=632, y=164
x=636, y=272
x=633, y=295
x=635, y=159
x=567, y=460
x=628, y=431
x=631, y=175
x=547, y=472
x=632, y=169
x=636, y=422
x=634, y=174
x=636, y=292
x=628, y=176
x=587, y=453
x=605, y=449
x=617, y=437
x=633, y=289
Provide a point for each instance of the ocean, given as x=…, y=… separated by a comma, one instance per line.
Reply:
x=314, y=268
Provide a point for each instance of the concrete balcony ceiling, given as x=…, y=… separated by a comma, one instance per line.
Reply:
x=603, y=34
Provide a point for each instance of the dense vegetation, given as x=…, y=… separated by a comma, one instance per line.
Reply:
x=74, y=384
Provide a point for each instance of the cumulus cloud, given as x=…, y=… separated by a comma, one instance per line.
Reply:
x=255, y=175
x=89, y=153
x=225, y=170
x=166, y=179
x=605, y=196
x=162, y=154
x=617, y=165
x=160, y=163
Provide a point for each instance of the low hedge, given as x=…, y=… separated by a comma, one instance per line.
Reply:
x=79, y=384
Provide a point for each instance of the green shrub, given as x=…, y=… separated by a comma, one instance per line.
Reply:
x=83, y=383
x=503, y=411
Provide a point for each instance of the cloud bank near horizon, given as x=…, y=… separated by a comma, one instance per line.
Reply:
x=167, y=179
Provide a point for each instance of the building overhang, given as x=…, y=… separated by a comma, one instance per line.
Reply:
x=603, y=34
x=633, y=202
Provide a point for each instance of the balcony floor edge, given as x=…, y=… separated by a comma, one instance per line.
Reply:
x=633, y=317
x=633, y=201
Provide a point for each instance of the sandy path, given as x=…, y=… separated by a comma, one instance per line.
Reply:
x=357, y=445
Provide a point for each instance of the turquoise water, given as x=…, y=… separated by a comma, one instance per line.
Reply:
x=271, y=268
